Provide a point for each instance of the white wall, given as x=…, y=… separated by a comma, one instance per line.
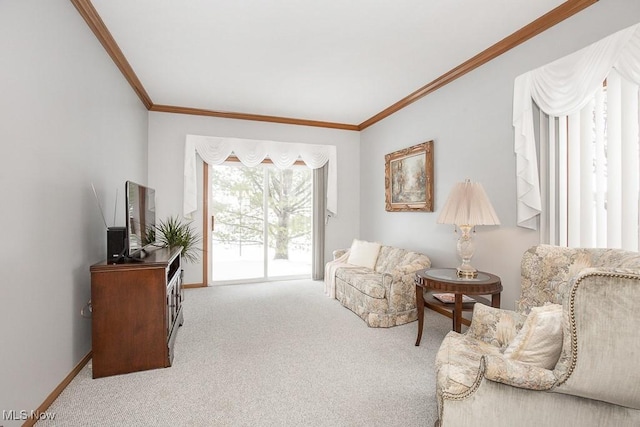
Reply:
x=67, y=118
x=167, y=134
x=470, y=123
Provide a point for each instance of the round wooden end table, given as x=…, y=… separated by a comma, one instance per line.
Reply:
x=432, y=281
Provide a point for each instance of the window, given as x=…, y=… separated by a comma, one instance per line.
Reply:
x=263, y=222
x=579, y=179
x=590, y=170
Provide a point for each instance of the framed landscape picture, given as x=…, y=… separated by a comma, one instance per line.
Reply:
x=408, y=179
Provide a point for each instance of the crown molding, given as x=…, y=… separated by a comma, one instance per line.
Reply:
x=546, y=21
x=93, y=20
x=253, y=117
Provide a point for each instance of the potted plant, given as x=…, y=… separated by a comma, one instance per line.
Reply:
x=174, y=232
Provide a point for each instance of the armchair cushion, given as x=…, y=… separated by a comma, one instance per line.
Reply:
x=539, y=342
x=461, y=359
x=364, y=280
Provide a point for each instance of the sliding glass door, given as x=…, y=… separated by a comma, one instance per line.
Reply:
x=262, y=222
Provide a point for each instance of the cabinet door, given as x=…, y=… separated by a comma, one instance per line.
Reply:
x=180, y=289
x=168, y=313
x=173, y=301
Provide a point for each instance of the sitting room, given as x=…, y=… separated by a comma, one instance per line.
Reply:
x=386, y=109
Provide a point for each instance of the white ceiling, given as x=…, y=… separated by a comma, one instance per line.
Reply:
x=340, y=61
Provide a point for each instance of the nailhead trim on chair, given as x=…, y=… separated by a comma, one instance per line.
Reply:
x=572, y=317
x=471, y=389
x=574, y=339
x=464, y=395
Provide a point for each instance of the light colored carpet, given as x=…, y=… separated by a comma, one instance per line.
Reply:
x=270, y=354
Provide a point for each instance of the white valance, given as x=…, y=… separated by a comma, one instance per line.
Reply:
x=251, y=152
x=561, y=88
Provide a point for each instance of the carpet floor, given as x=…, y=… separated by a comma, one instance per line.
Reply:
x=270, y=354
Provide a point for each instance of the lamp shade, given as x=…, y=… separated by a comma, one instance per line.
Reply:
x=468, y=204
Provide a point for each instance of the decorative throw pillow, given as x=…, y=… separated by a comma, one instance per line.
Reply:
x=363, y=253
x=539, y=342
x=494, y=325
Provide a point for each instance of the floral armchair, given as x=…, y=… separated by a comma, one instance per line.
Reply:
x=588, y=375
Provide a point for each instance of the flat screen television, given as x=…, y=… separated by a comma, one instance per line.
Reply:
x=140, y=218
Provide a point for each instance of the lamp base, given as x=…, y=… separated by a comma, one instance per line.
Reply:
x=466, y=248
x=466, y=274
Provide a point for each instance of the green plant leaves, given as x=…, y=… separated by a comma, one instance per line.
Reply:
x=174, y=232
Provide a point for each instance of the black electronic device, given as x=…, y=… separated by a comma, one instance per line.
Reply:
x=116, y=244
x=116, y=236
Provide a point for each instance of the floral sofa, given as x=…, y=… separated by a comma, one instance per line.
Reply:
x=590, y=376
x=385, y=295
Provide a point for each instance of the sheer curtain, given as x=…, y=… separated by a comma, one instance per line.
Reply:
x=564, y=88
x=251, y=152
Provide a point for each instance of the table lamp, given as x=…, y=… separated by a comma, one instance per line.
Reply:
x=466, y=207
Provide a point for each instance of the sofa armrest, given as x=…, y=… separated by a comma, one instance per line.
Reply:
x=411, y=268
x=399, y=284
x=401, y=274
x=510, y=372
x=339, y=252
x=494, y=326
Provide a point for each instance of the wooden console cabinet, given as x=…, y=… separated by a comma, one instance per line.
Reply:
x=136, y=311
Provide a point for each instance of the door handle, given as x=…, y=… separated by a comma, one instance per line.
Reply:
x=213, y=222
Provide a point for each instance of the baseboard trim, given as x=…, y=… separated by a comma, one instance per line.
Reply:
x=57, y=391
x=193, y=285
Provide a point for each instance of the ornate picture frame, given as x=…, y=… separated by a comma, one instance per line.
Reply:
x=408, y=179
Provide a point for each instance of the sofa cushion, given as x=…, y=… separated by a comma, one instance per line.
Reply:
x=364, y=280
x=539, y=342
x=363, y=253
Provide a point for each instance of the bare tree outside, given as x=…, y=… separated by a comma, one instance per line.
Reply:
x=238, y=206
x=290, y=203
x=240, y=201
